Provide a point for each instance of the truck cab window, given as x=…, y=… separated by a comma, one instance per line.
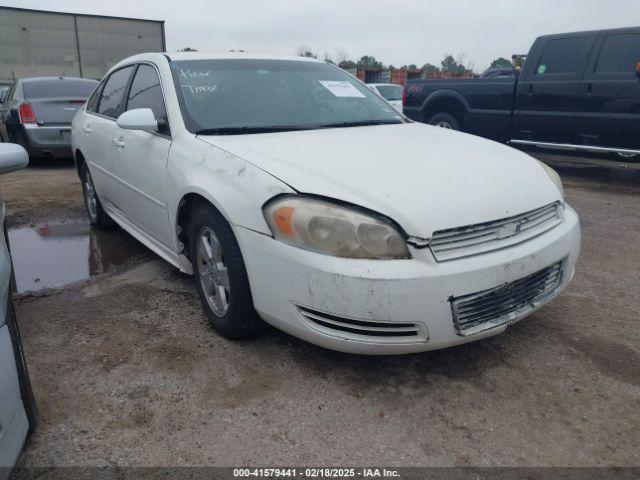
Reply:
x=563, y=56
x=619, y=54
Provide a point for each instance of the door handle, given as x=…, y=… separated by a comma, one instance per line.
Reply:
x=86, y=129
x=589, y=86
x=118, y=143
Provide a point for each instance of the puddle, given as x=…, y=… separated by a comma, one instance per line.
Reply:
x=54, y=255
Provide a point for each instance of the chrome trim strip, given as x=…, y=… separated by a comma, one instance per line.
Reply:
x=569, y=146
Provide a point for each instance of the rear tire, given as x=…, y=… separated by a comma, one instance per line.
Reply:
x=220, y=275
x=444, y=120
x=97, y=216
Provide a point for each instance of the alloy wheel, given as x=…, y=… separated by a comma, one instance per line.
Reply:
x=213, y=273
x=90, y=197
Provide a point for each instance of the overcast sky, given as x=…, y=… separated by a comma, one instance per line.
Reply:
x=395, y=31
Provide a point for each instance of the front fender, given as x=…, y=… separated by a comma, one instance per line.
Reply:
x=235, y=187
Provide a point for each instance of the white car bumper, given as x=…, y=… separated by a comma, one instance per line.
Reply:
x=336, y=302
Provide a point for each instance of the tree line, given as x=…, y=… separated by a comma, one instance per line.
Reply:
x=458, y=65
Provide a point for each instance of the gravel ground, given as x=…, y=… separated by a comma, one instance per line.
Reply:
x=127, y=372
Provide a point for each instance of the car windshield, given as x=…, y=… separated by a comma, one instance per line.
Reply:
x=390, y=92
x=63, y=88
x=254, y=96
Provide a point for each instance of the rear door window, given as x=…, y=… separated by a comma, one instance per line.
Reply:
x=619, y=54
x=112, y=98
x=146, y=92
x=563, y=56
x=59, y=88
x=92, y=103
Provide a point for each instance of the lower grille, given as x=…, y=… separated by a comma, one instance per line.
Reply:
x=480, y=311
x=369, y=330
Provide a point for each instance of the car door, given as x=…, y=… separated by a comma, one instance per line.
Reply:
x=99, y=128
x=610, y=92
x=547, y=94
x=17, y=407
x=140, y=159
x=14, y=423
x=5, y=112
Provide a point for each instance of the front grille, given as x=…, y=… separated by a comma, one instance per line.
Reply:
x=485, y=237
x=487, y=309
x=369, y=330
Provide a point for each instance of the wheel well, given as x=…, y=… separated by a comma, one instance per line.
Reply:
x=79, y=160
x=448, y=105
x=185, y=207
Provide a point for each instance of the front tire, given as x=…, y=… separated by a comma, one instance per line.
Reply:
x=444, y=120
x=220, y=275
x=97, y=216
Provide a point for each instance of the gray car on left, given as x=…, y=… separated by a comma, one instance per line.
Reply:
x=37, y=112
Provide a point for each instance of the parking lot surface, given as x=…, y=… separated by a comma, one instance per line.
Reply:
x=127, y=371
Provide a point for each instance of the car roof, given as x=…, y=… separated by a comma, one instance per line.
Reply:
x=385, y=85
x=42, y=79
x=156, y=57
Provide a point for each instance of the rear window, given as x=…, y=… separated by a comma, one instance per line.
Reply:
x=619, y=54
x=563, y=56
x=390, y=92
x=65, y=88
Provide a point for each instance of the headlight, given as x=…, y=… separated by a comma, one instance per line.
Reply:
x=553, y=175
x=332, y=229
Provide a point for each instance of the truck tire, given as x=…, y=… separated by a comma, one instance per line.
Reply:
x=444, y=120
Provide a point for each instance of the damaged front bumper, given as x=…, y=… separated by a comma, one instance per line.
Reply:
x=394, y=306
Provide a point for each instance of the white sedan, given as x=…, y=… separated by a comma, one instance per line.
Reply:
x=298, y=197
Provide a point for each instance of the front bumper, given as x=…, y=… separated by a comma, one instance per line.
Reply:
x=48, y=141
x=415, y=291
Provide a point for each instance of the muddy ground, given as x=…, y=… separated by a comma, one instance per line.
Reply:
x=127, y=372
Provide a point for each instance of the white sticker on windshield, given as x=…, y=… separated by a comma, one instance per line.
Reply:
x=341, y=88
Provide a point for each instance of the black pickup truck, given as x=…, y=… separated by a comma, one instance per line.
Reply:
x=577, y=91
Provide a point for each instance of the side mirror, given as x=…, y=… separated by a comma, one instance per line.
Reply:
x=138, y=119
x=12, y=157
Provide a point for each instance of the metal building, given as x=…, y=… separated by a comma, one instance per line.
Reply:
x=42, y=43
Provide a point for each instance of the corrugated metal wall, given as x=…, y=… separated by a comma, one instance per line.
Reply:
x=106, y=41
x=34, y=43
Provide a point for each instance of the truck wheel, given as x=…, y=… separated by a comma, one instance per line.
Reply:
x=444, y=120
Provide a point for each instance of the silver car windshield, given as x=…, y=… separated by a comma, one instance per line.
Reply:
x=254, y=96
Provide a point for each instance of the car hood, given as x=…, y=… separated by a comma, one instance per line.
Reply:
x=425, y=178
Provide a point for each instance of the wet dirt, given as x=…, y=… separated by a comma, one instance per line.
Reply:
x=45, y=192
x=54, y=255
x=128, y=372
